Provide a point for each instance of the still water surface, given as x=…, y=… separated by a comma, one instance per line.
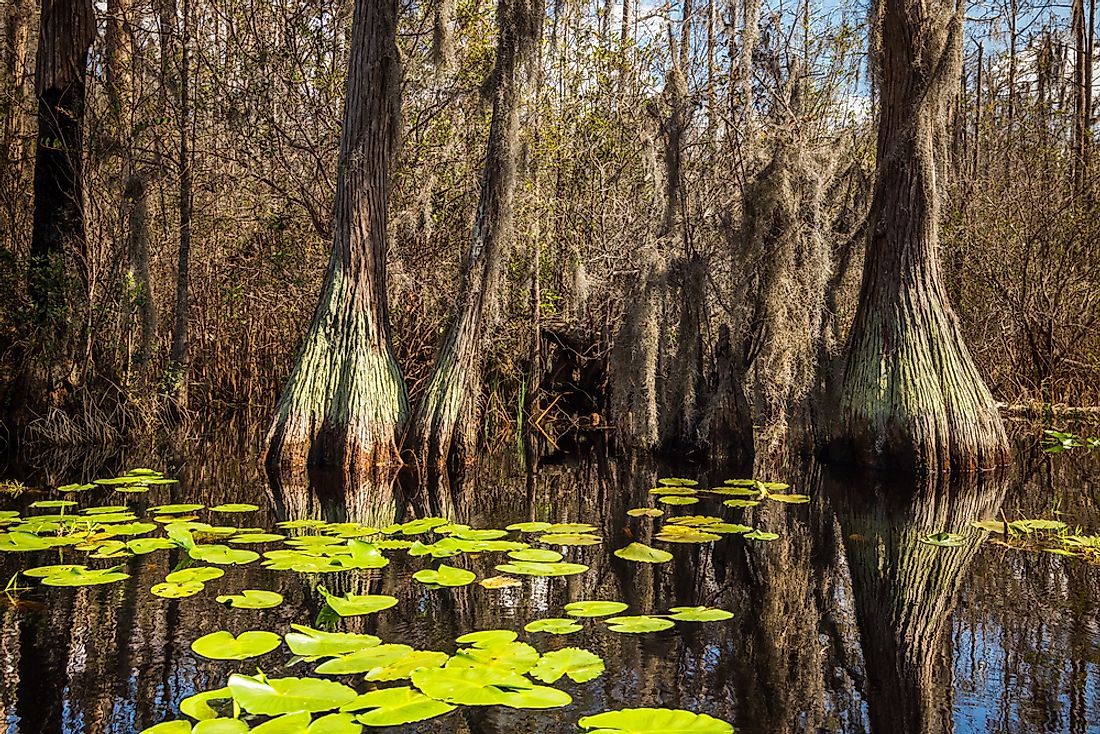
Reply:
x=846, y=623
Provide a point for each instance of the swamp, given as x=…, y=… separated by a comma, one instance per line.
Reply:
x=503, y=366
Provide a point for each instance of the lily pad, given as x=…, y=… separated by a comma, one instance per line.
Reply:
x=198, y=705
x=252, y=599
x=310, y=643
x=487, y=638
x=685, y=534
x=570, y=539
x=529, y=527
x=553, y=626
x=741, y=503
x=249, y=538
x=645, y=512
x=351, y=605
x=699, y=614
x=654, y=721
x=639, y=623
x=274, y=696
x=178, y=509
x=761, y=535
x=222, y=555
x=790, y=499
x=943, y=539
x=538, y=555
x=642, y=553
x=396, y=706
x=514, y=657
x=222, y=645
x=571, y=528
x=594, y=608
x=365, y=660
x=174, y=590
x=195, y=573
x=404, y=667
x=169, y=727
x=529, y=568
x=580, y=665
x=81, y=576
x=677, y=500
x=234, y=507
x=445, y=576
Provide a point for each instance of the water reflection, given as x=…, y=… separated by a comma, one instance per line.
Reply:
x=846, y=623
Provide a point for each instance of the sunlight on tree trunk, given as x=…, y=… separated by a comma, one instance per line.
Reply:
x=911, y=395
x=345, y=399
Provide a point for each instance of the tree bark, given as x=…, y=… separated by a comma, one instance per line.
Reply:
x=345, y=398
x=65, y=38
x=911, y=395
x=445, y=426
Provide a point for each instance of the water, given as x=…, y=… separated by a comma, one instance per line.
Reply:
x=844, y=624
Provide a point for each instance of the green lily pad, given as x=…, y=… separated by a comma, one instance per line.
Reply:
x=639, y=623
x=571, y=528
x=198, y=705
x=445, y=576
x=685, y=534
x=674, y=491
x=222, y=645
x=85, y=577
x=233, y=507
x=537, y=555
x=365, y=660
x=741, y=503
x=514, y=657
x=43, y=571
x=248, y=538
x=699, y=614
x=643, y=554
x=580, y=665
x=570, y=539
x=53, y=504
x=310, y=643
x=530, y=568
x=654, y=721
x=468, y=686
x=487, y=638
x=403, y=668
x=351, y=605
x=174, y=590
x=529, y=527
x=645, y=512
x=396, y=706
x=553, y=626
x=296, y=723
x=179, y=509
x=790, y=499
x=252, y=599
x=677, y=500
x=222, y=555
x=943, y=539
x=195, y=573
x=761, y=535
x=677, y=482
x=993, y=526
x=274, y=696
x=141, y=546
x=1028, y=526
x=594, y=608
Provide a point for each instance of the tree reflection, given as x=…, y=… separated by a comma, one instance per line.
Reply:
x=905, y=590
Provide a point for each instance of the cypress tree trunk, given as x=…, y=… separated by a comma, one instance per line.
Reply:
x=345, y=398
x=911, y=395
x=57, y=239
x=445, y=426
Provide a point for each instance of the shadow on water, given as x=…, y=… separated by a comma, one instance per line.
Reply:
x=846, y=622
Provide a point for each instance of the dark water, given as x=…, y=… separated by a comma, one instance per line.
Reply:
x=844, y=624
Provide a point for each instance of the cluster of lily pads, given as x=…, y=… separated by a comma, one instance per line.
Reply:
x=490, y=668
